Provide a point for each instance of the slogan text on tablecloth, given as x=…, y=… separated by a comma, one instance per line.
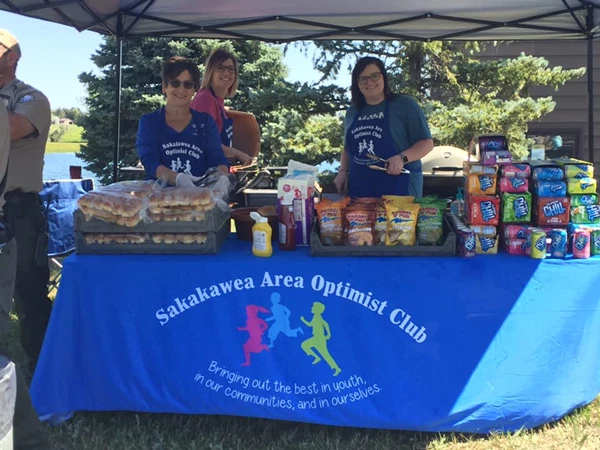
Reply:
x=277, y=394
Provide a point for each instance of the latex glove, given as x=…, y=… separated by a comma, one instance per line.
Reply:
x=341, y=181
x=184, y=180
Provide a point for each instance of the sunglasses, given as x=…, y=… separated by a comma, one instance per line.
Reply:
x=373, y=77
x=187, y=84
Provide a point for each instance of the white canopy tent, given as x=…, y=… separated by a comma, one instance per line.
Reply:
x=289, y=20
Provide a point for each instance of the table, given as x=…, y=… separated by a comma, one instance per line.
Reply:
x=492, y=343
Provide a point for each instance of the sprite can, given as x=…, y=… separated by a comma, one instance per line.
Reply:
x=538, y=244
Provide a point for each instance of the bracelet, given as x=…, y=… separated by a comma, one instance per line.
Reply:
x=344, y=170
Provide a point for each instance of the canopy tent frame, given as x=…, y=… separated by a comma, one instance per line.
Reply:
x=147, y=18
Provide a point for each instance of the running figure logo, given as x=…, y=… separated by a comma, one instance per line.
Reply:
x=281, y=318
x=255, y=326
x=321, y=334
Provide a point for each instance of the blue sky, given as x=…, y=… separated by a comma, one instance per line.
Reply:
x=54, y=55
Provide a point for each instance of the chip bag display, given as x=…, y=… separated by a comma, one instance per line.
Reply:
x=360, y=224
x=430, y=222
x=380, y=224
x=400, y=199
x=402, y=223
x=330, y=222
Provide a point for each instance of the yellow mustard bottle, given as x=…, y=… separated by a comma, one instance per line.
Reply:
x=261, y=236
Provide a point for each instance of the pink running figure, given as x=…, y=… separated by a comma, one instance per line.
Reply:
x=256, y=327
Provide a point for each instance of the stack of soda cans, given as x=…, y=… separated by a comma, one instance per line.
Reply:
x=516, y=207
x=584, y=226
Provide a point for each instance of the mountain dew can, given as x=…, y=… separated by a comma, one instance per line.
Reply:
x=538, y=244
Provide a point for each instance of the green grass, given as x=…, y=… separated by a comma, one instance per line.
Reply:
x=62, y=147
x=73, y=133
x=142, y=431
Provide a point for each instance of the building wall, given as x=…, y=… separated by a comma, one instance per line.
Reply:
x=571, y=111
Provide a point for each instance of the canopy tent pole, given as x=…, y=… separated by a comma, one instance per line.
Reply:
x=119, y=62
x=590, y=80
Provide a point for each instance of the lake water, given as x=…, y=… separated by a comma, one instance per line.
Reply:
x=56, y=166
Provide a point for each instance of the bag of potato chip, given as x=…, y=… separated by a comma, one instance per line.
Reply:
x=402, y=223
x=330, y=222
x=360, y=224
x=399, y=199
x=430, y=223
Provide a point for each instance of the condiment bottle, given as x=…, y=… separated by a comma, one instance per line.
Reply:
x=287, y=225
x=261, y=236
x=457, y=207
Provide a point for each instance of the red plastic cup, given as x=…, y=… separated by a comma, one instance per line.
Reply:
x=75, y=172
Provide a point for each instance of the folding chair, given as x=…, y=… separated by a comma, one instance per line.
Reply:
x=59, y=200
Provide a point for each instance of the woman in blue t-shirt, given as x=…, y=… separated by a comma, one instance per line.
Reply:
x=175, y=143
x=383, y=125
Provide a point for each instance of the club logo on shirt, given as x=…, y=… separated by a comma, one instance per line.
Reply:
x=26, y=98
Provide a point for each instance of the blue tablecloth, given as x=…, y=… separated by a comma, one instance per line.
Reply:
x=431, y=344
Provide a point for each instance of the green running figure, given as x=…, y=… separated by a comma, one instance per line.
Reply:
x=321, y=334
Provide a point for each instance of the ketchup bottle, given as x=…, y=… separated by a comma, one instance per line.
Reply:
x=287, y=226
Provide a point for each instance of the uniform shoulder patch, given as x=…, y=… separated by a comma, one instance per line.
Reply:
x=26, y=98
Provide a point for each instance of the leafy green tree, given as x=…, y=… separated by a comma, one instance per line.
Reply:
x=262, y=91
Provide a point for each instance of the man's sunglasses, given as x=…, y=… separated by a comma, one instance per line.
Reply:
x=186, y=84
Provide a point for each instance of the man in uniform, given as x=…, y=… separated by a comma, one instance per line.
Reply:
x=29, y=119
x=28, y=430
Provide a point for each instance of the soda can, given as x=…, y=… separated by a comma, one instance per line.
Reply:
x=538, y=244
x=595, y=244
x=581, y=244
x=558, y=243
x=467, y=243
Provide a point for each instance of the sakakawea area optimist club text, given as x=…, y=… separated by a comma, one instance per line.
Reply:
x=326, y=288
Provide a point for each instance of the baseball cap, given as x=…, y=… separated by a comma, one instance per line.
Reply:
x=10, y=42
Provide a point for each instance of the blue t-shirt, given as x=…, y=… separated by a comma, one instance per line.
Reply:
x=193, y=150
x=407, y=122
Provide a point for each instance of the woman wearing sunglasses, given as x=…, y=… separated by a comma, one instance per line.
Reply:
x=175, y=143
x=386, y=135
x=220, y=80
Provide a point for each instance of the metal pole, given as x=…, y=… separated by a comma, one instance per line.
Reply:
x=118, y=102
x=590, y=81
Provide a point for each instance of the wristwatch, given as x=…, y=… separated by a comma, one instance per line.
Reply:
x=404, y=158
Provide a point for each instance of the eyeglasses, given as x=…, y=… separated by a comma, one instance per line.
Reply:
x=221, y=68
x=373, y=77
x=187, y=84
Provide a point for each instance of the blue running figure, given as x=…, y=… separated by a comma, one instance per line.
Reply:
x=281, y=318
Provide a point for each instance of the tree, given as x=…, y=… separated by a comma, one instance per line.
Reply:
x=461, y=95
x=262, y=91
x=73, y=113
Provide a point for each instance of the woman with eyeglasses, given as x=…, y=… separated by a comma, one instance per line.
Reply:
x=175, y=143
x=220, y=81
x=386, y=135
